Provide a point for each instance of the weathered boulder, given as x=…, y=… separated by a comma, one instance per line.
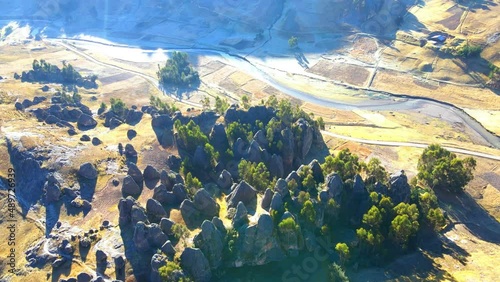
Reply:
x=85, y=138
x=276, y=168
x=334, y=186
x=239, y=149
x=241, y=216
x=130, y=152
x=358, y=185
x=317, y=171
x=151, y=175
x=277, y=202
x=136, y=174
x=86, y=122
x=101, y=257
x=156, y=237
x=84, y=277
x=140, y=238
x=96, y=141
x=243, y=192
x=131, y=134
x=207, y=206
x=225, y=180
x=137, y=214
x=288, y=148
x=266, y=199
x=162, y=195
x=52, y=189
x=166, y=225
x=179, y=192
x=133, y=117
x=201, y=159
x=254, y=153
x=260, y=137
x=194, y=262
x=155, y=211
x=38, y=99
x=219, y=225
x=157, y=261
x=130, y=187
x=257, y=245
x=210, y=242
x=218, y=138
x=399, y=189
x=380, y=188
x=88, y=171
x=295, y=176
x=281, y=187
x=168, y=249
x=190, y=213
x=306, y=137
x=52, y=119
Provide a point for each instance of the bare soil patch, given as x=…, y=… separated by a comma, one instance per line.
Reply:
x=343, y=72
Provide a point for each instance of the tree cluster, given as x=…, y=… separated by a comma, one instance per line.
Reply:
x=45, y=72
x=178, y=72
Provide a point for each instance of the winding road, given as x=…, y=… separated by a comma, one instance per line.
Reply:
x=388, y=104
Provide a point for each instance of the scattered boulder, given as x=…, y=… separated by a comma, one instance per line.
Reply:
x=168, y=249
x=86, y=122
x=19, y=106
x=84, y=277
x=71, y=132
x=133, y=117
x=166, y=225
x=88, y=171
x=130, y=152
x=96, y=141
x=131, y=134
x=85, y=138
x=162, y=195
x=180, y=193
x=190, y=213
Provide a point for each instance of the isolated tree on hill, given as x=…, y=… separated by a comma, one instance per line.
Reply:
x=441, y=169
x=293, y=42
x=178, y=71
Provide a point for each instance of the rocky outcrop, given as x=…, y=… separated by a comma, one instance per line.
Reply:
x=399, y=188
x=281, y=187
x=163, y=128
x=277, y=203
x=305, y=139
x=194, y=262
x=131, y=211
x=210, y=242
x=256, y=244
x=189, y=213
x=201, y=160
x=52, y=189
x=88, y=171
x=147, y=237
x=157, y=261
x=254, y=153
x=162, y=195
x=288, y=148
x=151, y=176
x=243, y=192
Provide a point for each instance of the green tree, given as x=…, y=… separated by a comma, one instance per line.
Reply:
x=245, y=101
x=205, y=103
x=170, y=272
x=343, y=251
x=345, y=164
x=221, y=105
x=308, y=213
x=254, y=174
x=192, y=184
x=405, y=224
x=178, y=71
x=373, y=218
x=191, y=135
x=118, y=107
x=293, y=42
x=375, y=172
x=336, y=273
x=441, y=169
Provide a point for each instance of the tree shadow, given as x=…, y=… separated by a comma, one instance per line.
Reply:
x=465, y=210
x=180, y=91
